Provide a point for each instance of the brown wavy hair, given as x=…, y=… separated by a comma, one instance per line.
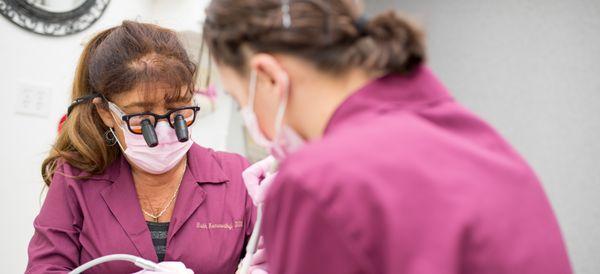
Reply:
x=117, y=60
x=331, y=34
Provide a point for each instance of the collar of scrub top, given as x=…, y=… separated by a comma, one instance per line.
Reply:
x=203, y=168
x=391, y=92
x=203, y=159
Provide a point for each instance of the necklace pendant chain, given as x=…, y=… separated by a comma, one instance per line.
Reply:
x=164, y=210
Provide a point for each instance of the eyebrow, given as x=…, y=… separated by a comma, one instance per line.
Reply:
x=180, y=99
x=139, y=104
x=146, y=104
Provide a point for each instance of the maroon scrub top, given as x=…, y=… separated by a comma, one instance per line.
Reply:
x=83, y=219
x=405, y=181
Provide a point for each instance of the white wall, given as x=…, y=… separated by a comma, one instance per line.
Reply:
x=50, y=62
x=532, y=69
x=529, y=67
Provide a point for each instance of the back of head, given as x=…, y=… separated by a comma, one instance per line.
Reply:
x=132, y=56
x=329, y=33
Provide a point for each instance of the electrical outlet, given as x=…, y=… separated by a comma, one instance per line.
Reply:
x=34, y=100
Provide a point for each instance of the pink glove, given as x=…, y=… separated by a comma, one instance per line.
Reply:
x=252, y=176
x=170, y=268
x=259, y=261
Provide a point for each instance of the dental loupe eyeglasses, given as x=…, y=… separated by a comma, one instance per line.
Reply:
x=145, y=123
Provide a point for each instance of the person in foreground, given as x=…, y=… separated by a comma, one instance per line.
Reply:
x=380, y=169
x=124, y=176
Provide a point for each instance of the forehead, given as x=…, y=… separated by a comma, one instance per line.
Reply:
x=153, y=94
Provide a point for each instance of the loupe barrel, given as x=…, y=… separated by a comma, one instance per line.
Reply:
x=181, y=129
x=149, y=133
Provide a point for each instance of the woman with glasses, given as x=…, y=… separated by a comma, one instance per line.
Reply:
x=124, y=176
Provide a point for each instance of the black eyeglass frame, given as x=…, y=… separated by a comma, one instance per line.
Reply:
x=158, y=117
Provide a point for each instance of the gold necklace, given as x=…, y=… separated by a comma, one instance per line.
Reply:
x=162, y=212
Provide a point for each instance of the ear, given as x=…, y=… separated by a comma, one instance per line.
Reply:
x=272, y=71
x=104, y=112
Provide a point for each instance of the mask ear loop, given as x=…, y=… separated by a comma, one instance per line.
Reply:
x=280, y=111
x=116, y=138
x=252, y=90
x=112, y=109
x=280, y=115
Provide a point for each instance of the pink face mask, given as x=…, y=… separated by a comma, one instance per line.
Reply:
x=154, y=160
x=286, y=139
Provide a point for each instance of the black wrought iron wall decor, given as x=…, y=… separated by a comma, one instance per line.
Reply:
x=53, y=17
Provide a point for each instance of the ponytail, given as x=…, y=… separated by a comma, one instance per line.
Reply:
x=399, y=44
x=81, y=142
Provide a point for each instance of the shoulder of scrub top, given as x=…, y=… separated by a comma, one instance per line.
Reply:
x=207, y=163
x=329, y=159
x=231, y=163
x=347, y=160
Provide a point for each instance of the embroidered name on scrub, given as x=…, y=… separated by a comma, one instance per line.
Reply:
x=228, y=226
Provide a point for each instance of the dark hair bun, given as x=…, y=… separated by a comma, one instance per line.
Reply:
x=400, y=44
